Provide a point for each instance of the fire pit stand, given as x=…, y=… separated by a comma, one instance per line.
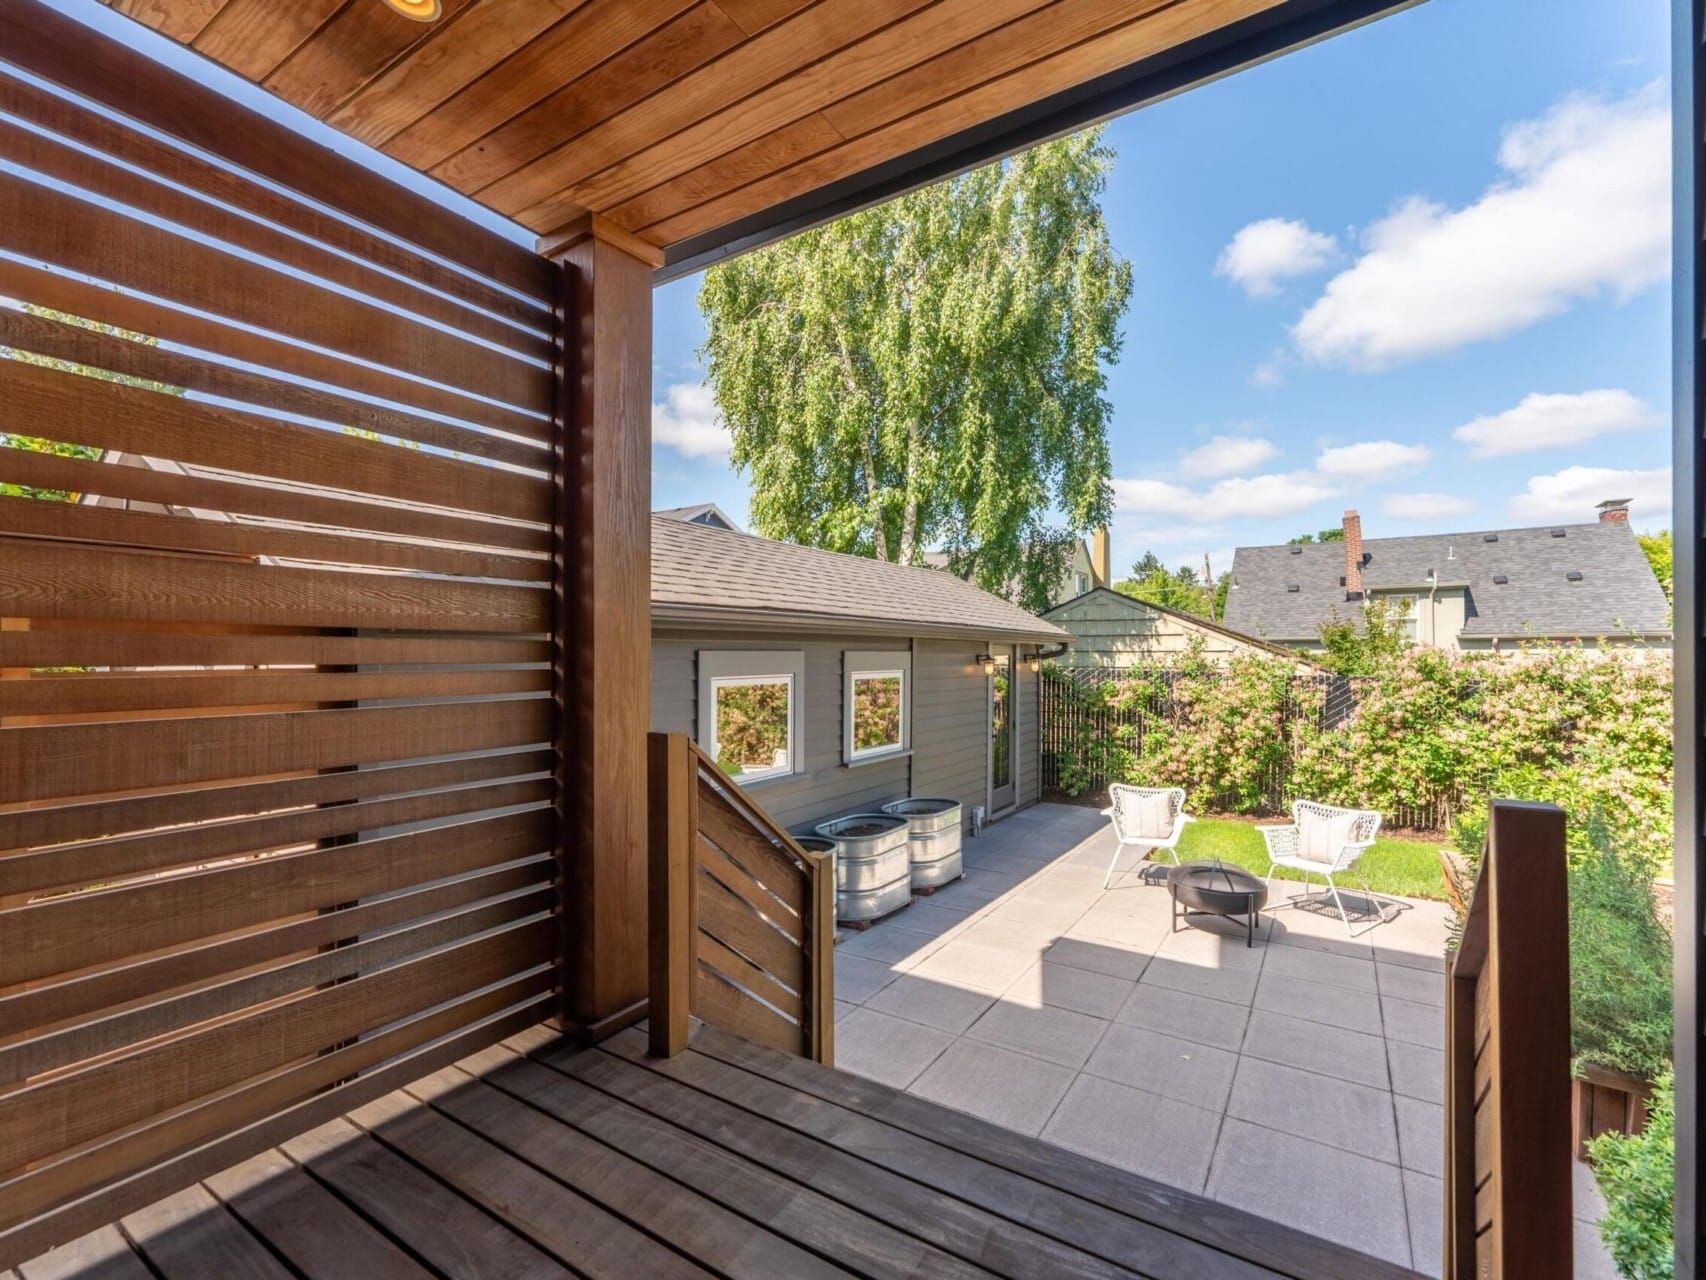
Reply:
x=1215, y=889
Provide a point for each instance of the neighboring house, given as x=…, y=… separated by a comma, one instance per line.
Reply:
x=1482, y=590
x=1087, y=567
x=1111, y=629
x=706, y=513
x=846, y=681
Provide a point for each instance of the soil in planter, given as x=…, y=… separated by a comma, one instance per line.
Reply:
x=864, y=829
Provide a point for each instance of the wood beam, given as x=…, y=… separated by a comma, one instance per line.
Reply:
x=605, y=620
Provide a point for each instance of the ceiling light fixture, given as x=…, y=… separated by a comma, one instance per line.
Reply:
x=418, y=10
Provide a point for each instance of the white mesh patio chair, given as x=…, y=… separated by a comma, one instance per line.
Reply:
x=1145, y=818
x=1323, y=840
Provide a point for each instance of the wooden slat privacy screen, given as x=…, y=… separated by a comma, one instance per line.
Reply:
x=278, y=693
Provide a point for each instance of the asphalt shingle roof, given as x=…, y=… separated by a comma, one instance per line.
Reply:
x=720, y=575
x=1616, y=594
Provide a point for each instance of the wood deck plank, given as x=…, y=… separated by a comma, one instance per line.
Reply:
x=802, y=1209
x=1281, y=1249
x=189, y=1235
x=965, y=1230
x=316, y=1232
x=455, y=1237
x=580, y=1233
x=103, y=1254
x=1090, y=1239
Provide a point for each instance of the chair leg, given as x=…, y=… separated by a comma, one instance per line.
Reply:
x=1109, y=878
x=1338, y=902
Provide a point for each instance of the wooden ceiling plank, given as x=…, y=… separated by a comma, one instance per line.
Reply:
x=563, y=53
x=253, y=37
x=358, y=43
x=711, y=92
x=774, y=151
x=182, y=20
x=678, y=47
x=897, y=49
x=60, y=49
x=753, y=16
x=988, y=54
x=450, y=59
x=1048, y=74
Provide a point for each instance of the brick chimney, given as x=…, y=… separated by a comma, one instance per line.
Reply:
x=1353, y=554
x=1101, y=558
x=1614, y=511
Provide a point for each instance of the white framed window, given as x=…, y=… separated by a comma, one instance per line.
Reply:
x=1405, y=612
x=876, y=713
x=749, y=712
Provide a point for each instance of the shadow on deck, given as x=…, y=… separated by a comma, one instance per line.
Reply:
x=537, y=1158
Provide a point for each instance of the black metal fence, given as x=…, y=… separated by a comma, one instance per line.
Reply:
x=1071, y=717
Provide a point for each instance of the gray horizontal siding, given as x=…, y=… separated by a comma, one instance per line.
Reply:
x=950, y=723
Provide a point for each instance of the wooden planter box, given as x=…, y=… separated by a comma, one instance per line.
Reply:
x=1604, y=1101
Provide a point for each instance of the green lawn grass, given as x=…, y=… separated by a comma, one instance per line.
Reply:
x=1408, y=868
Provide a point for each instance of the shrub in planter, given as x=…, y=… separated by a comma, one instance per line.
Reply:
x=1638, y=1178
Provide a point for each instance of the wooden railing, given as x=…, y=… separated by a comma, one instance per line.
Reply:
x=1507, y=1116
x=742, y=918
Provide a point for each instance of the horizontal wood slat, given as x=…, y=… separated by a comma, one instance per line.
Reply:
x=52, y=226
x=173, y=323
x=87, y=522
x=67, y=580
x=727, y=1007
x=91, y=648
x=144, y=421
x=197, y=497
x=69, y=999
x=85, y=694
x=94, y=928
x=108, y=861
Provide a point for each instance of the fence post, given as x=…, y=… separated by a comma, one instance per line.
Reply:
x=672, y=826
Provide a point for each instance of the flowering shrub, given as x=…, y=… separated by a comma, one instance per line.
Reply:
x=1432, y=732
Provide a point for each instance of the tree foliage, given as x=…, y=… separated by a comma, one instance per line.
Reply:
x=1658, y=550
x=932, y=372
x=1335, y=534
x=1370, y=649
x=1179, y=588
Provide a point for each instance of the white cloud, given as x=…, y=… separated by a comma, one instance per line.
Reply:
x=1157, y=497
x=1583, y=209
x=1264, y=253
x=1543, y=421
x=1269, y=495
x=1227, y=456
x=1425, y=506
x=688, y=422
x=1370, y=460
x=1571, y=494
x=1270, y=373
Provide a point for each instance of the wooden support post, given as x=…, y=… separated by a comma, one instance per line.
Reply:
x=822, y=961
x=605, y=622
x=674, y=823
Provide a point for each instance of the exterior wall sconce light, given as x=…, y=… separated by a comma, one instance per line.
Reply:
x=987, y=662
x=418, y=10
x=1034, y=663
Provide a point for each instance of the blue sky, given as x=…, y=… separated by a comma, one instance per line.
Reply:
x=1466, y=219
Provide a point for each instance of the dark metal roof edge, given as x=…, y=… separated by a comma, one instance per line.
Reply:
x=1241, y=44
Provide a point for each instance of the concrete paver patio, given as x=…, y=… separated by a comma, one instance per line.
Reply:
x=1300, y=1079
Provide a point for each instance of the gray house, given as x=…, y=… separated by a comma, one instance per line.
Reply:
x=831, y=683
x=1482, y=590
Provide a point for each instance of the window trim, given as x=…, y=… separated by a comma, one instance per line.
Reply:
x=857, y=663
x=718, y=667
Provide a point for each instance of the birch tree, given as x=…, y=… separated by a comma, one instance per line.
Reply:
x=932, y=373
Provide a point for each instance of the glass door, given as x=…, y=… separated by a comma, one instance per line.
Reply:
x=1002, y=723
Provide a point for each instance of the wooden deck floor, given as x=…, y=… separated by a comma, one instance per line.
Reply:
x=540, y=1159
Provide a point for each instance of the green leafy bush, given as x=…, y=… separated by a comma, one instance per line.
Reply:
x=1620, y=968
x=1638, y=1177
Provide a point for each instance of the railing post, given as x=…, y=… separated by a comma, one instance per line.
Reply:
x=672, y=821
